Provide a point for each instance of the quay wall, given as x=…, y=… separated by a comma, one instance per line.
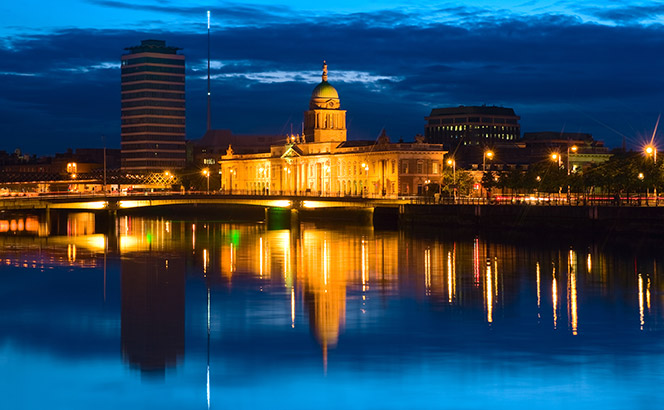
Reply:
x=597, y=219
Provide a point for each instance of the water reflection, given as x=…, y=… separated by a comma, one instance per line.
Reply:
x=237, y=301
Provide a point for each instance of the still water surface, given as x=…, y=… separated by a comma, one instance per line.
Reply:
x=175, y=314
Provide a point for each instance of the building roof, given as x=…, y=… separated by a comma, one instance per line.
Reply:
x=556, y=135
x=466, y=110
x=153, y=46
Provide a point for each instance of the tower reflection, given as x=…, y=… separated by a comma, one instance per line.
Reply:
x=153, y=297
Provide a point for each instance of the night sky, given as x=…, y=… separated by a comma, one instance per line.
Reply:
x=577, y=66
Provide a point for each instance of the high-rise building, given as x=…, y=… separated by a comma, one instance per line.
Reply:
x=459, y=126
x=153, y=108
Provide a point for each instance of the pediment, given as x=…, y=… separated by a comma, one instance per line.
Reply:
x=292, y=152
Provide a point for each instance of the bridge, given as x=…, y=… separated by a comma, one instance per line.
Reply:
x=279, y=210
x=97, y=202
x=632, y=217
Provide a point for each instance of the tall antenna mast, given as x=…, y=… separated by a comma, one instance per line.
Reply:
x=208, y=72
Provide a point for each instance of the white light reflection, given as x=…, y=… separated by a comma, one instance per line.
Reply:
x=554, y=297
x=539, y=296
x=427, y=271
x=489, y=294
x=260, y=253
x=206, y=261
x=476, y=260
x=641, y=318
x=450, y=278
x=232, y=261
x=495, y=274
x=208, y=340
x=571, y=296
x=292, y=307
x=326, y=260
x=364, y=266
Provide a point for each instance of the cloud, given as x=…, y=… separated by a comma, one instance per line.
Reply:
x=627, y=14
x=389, y=71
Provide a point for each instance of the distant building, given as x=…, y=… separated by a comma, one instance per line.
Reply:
x=153, y=108
x=582, y=149
x=472, y=125
x=535, y=147
x=207, y=150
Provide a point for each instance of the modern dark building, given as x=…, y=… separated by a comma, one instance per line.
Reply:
x=153, y=108
x=471, y=126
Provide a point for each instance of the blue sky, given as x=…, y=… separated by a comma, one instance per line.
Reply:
x=575, y=66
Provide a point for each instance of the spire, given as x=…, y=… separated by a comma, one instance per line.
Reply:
x=324, y=71
x=208, y=74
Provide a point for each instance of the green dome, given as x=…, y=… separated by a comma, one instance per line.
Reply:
x=324, y=95
x=325, y=90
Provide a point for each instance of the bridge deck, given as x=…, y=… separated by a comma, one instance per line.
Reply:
x=115, y=202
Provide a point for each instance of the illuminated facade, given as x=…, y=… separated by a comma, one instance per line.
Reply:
x=323, y=162
x=153, y=108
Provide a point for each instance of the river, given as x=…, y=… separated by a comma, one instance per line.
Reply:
x=173, y=314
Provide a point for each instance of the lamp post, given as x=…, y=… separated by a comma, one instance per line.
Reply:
x=452, y=163
x=573, y=148
x=651, y=150
x=487, y=154
x=206, y=173
x=555, y=157
x=365, y=166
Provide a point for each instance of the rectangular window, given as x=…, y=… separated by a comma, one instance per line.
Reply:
x=420, y=167
x=404, y=167
x=434, y=169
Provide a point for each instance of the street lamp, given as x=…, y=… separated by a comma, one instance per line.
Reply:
x=365, y=166
x=573, y=148
x=487, y=154
x=651, y=150
x=452, y=163
x=556, y=158
x=206, y=173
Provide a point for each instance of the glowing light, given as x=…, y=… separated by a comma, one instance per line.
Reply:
x=129, y=204
x=364, y=266
x=451, y=276
x=427, y=271
x=648, y=295
x=539, y=299
x=260, y=256
x=208, y=333
x=71, y=252
x=554, y=297
x=208, y=18
x=284, y=203
x=326, y=261
x=489, y=294
x=476, y=260
x=589, y=262
x=232, y=261
x=206, y=261
x=641, y=315
x=571, y=297
x=292, y=307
